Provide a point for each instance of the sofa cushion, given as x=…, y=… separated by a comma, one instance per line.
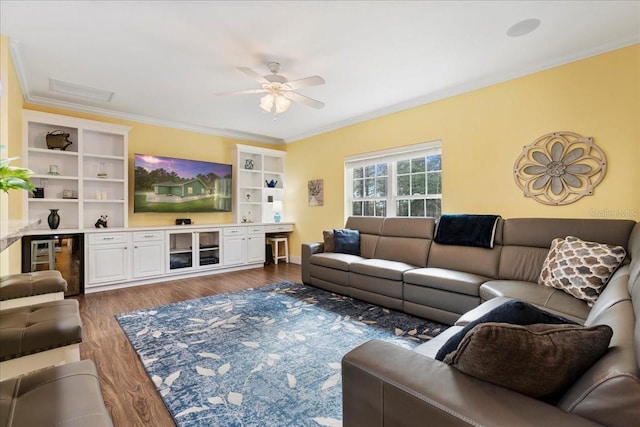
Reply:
x=538, y=360
x=551, y=299
x=327, y=237
x=334, y=260
x=382, y=268
x=445, y=279
x=580, y=268
x=346, y=241
x=512, y=312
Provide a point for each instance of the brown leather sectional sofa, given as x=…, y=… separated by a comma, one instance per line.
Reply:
x=402, y=268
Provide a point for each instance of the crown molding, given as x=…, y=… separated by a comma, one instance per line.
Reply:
x=49, y=102
x=467, y=87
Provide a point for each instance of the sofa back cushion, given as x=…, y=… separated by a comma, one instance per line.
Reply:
x=481, y=261
x=526, y=241
x=370, y=229
x=406, y=240
x=609, y=392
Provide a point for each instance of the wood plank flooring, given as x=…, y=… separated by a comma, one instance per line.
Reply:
x=128, y=392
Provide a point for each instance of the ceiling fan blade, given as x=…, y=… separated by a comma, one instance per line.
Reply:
x=249, y=72
x=304, y=100
x=241, y=92
x=307, y=81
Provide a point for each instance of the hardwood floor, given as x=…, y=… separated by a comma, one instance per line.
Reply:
x=128, y=392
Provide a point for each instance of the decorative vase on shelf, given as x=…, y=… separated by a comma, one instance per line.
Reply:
x=53, y=219
x=102, y=173
x=272, y=183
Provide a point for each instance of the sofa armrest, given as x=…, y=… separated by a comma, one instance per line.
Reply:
x=309, y=249
x=384, y=384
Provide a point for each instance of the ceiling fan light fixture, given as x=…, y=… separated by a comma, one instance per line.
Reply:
x=266, y=102
x=282, y=104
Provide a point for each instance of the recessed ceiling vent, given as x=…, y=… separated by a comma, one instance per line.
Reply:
x=74, y=89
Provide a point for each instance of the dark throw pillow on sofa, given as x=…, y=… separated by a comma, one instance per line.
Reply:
x=346, y=241
x=540, y=361
x=514, y=312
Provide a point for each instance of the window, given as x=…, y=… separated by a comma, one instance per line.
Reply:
x=406, y=181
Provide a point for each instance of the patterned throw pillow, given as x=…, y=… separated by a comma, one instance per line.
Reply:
x=580, y=268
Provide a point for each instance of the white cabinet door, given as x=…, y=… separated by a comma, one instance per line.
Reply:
x=234, y=248
x=108, y=263
x=255, y=244
x=180, y=253
x=148, y=259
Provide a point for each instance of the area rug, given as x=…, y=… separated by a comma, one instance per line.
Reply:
x=268, y=356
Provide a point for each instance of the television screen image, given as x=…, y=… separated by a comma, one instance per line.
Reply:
x=167, y=184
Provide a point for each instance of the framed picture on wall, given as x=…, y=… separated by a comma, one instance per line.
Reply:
x=316, y=192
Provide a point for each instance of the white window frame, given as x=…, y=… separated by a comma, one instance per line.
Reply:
x=391, y=157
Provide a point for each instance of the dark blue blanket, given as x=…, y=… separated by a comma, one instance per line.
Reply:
x=467, y=230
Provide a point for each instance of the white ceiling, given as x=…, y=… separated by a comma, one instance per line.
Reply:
x=166, y=60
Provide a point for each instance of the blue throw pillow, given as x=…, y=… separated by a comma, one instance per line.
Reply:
x=514, y=312
x=346, y=241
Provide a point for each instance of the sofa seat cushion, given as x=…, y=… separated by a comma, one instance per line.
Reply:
x=446, y=280
x=334, y=260
x=381, y=268
x=40, y=327
x=24, y=285
x=551, y=299
x=64, y=396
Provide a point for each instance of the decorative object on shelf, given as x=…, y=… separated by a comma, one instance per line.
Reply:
x=277, y=210
x=69, y=194
x=58, y=139
x=102, y=221
x=316, y=192
x=244, y=219
x=559, y=168
x=248, y=197
x=13, y=177
x=53, y=170
x=38, y=193
x=272, y=183
x=53, y=219
x=270, y=199
x=102, y=173
x=248, y=164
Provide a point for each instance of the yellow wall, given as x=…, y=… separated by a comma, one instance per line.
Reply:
x=11, y=137
x=482, y=133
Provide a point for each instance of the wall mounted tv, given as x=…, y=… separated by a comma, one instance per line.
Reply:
x=167, y=184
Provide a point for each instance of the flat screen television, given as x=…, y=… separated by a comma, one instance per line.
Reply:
x=168, y=184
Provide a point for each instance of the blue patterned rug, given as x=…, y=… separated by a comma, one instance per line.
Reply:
x=268, y=356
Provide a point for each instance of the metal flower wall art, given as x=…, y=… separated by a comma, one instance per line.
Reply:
x=559, y=168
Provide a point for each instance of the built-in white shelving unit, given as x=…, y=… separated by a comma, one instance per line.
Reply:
x=254, y=167
x=84, y=181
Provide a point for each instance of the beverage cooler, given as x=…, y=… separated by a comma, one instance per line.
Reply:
x=62, y=252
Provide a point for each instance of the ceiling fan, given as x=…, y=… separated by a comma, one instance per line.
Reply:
x=279, y=90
